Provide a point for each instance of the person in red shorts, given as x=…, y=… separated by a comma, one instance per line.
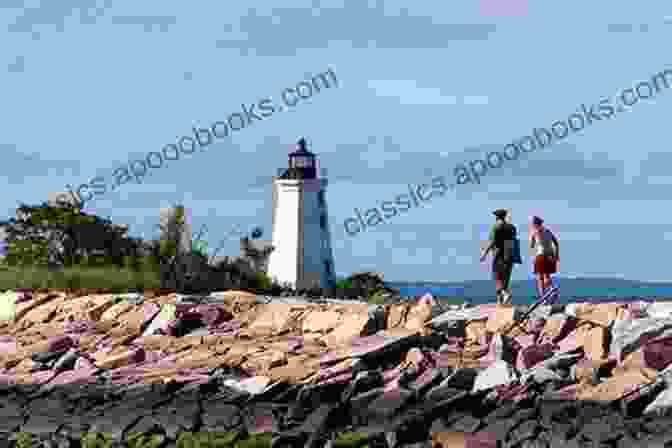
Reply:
x=547, y=251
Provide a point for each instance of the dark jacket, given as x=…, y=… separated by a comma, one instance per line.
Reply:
x=504, y=236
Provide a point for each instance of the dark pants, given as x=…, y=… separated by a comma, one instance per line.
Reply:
x=502, y=272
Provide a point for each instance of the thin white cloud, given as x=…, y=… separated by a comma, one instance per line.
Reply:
x=409, y=93
x=475, y=100
x=658, y=180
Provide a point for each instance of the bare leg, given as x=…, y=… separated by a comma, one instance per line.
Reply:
x=547, y=282
x=540, y=284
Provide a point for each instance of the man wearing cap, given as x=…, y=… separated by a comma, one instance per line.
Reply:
x=502, y=243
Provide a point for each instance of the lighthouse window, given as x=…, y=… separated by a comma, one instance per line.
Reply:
x=323, y=222
x=320, y=198
x=327, y=268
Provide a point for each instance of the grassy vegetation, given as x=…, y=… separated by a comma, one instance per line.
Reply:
x=116, y=279
x=200, y=439
x=113, y=278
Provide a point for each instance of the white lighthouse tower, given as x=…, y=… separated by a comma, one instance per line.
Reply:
x=301, y=238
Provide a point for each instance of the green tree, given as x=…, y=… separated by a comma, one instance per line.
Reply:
x=170, y=254
x=63, y=235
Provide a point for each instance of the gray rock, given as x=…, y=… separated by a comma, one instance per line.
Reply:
x=442, y=392
x=200, y=331
x=634, y=428
x=466, y=424
x=605, y=429
x=116, y=421
x=560, y=361
x=501, y=349
x=655, y=441
x=496, y=431
x=439, y=425
x=75, y=427
x=558, y=441
x=425, y=381
x=310, y=398
x=173, y=423
x=425, y=444
x=145, y=424
x=551, y=411
x=221, y=416
x=67, y=361
x=317, y=419
x=501, y=412
x=432, y=408
x=588, y=412
x=388, y=403
x=363, y=382
x=658, y=426
x=543, y=440
x=44, y=441
x=391, y=439
x=524, y=414
x=62, y=442
x=9, y=409
x=289, y=440
x=448, y=320
x=360, y=402
x=540, y=375
x=411, y=426
x=541, y=312
x=462, y=378
x=133, y=298
x=50, y=406
x=662, y=404
x=500, y=428
x=498, y=373
x=377, y=319
x=42, y=424
x=527, y=430
x=407, y=376
x=378, y=440
x=228, y=394
x=48, y=357
x=627, y=334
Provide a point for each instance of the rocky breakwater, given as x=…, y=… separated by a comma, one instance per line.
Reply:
x=405, y=374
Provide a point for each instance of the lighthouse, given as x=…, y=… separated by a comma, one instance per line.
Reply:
x=303, y=255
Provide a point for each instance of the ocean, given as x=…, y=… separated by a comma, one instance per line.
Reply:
x=524, y=291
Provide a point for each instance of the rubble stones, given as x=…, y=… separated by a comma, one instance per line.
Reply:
x=303, y=370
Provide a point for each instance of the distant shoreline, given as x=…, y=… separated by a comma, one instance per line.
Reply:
x=524, y=291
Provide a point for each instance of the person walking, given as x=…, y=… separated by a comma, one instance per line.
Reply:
x=503, y=242
x=547, y=251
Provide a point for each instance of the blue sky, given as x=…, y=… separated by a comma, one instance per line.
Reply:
x=89, y=84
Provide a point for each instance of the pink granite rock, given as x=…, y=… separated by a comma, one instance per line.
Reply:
x=8, y=344
x=658, y=353
x=529, y=356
